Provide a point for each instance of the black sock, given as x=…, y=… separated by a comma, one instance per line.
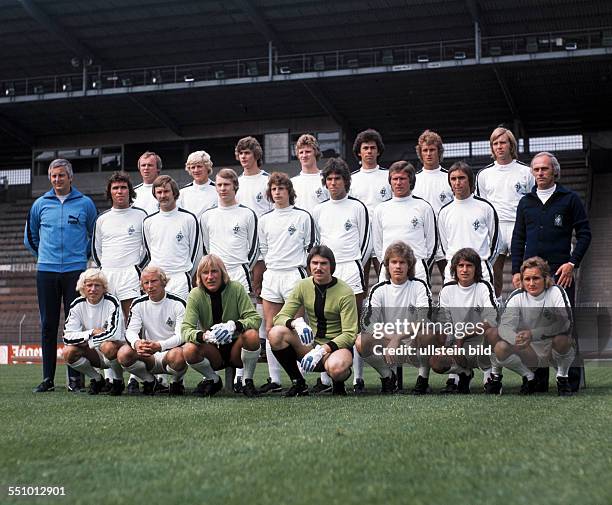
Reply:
x=288, y=360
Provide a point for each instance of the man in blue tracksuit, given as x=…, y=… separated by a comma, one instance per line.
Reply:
x=58, y=232
x=545, y=220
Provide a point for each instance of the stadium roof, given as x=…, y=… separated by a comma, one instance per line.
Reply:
x=545, y=66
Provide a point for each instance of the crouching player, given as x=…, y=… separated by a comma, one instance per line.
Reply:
x=221, y=328
x=395, y=303
x=154, y=334
x=468, y=306
x=535, y=329
x=94, y=332
x=331, y=309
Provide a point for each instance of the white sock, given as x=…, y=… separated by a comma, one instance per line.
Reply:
x=486, y=375
x=564, y=361
x=325, y=379
x=515, y=363
x=132, y=376
x=262, y=326
x=205, y=368
x=378, y=363
x=108, y=373
x=84, y=366
x=139, y=369
x=274, y=367
x=249, y=361
x=496, y=367
x=452, y=373
x=357, y=365
x=176, y=375
x=239, y=374
x=424, y=366
x=115, y=371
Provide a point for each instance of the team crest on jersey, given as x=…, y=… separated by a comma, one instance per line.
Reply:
x=383, y=192
x=414, y=222
x=442, y=197
x=319, y=193
x=348, y=225
x=170, y=322
x=412, y=308
x=478, y=309
x=259, y=197
x=521, y=188
x=131, y=230
x=236, y=229
x=558, y=220
x=292, y=229
x=476, y=224
x=179, y=236
x=547, y=314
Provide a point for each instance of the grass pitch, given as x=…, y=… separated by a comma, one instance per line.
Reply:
x=366, y=450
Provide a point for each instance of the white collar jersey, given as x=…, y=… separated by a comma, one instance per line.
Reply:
x=85, y=317
x=503, y=186
x=231, y=233
x=433, y=187
x=161, y=321
x=475, y=303
x=344, y=227
x=468, y=223
x=410, y=219
x=172, y=240
x=546, y=315
x=117, y=238
x=388, y=303
x=285, y=238
x=252, y=192
x=371, y=186
x=309, y=192
x=196, y=198
x=145, y=199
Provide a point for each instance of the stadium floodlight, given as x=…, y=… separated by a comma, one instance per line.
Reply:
x=188, y=78
x=422, y=58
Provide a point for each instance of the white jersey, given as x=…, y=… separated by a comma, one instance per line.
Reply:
x=371, y=186
x=172, y=240
x=475, y=303
x=410, y=219
x=231, y=233
x=117, y=238
x=344, y=227
x=468, y=223
x=196, y=198
x=309, y=190
x=388, y=303
x=145, y=199
x=285, y=237
x=546, y=315
x=503, y=186
x=85, y=317
x=161, y=321
x=433, y=187
x=252, y=192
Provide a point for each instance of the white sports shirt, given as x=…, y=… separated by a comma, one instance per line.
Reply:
x=371, y=186
x=145, y=199
x=196, y=198
x=433, y=187
x=309, y=191
x=117, y=238
x=252, y=192
x=85, y=317
x=474, y=303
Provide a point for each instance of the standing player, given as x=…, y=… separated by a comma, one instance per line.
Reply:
x=286, y=235
x=154, y=334
x=401, y=297
x=58, y=231
x=344, y=226
x=309, y=192
x=503, y=183
x=94, y=332
x=149, y=166
x=325, y=344
x=432, y=180
x=172, y=237
x=408, y=218
x=467, y=221
x=220, y=328
x=200, y=194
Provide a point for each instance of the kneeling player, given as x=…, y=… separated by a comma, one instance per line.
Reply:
x=221, y=328
x=154, y=334
x=468, y=305
x=401, y=299
x=332, y=311
x=94, y=332
x=535, y=329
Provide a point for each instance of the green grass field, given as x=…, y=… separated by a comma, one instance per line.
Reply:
x=370, y=449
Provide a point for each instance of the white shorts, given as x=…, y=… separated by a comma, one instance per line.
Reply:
x=277, y=284
x=124, y=283
x=420, y=272
x=487, y=272
x=439, y=254
x=179, y=284
x=351, y=272
x=504, y=240
x=242, y=275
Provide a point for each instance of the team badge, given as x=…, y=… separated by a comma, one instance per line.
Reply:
x=131, y=230
x=558, y=220
x=348, y=225
x=383, y=192
x=520, y=188
x=291, y=229
x=547, y=314
x=319, y=193
x=179, y=236
x=170, y=322
x=236, y=229
x=442, y=197
x=73, y=219
x=415, y=222
x=412, y=308
x=259, y=197
x=476, y=224
x=478, y=309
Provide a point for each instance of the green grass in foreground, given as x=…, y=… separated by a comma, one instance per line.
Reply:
x=371, y=449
